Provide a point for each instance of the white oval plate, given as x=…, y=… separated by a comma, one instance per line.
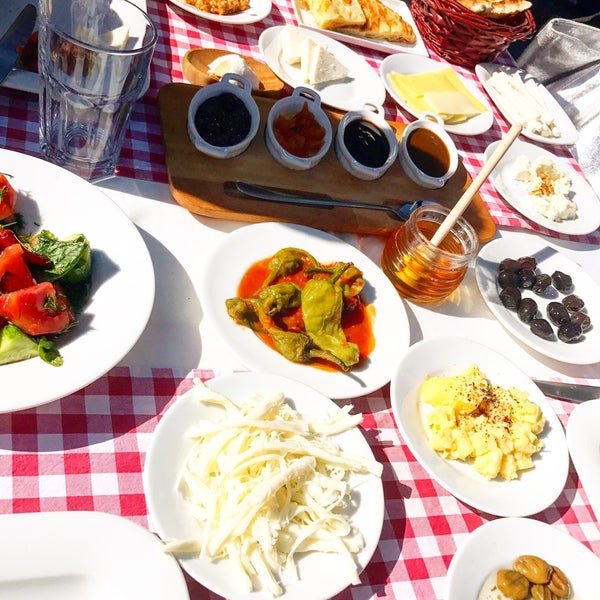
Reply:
x=496, y=544
x=568, y=131
x=84, y=554
x=583, y=440
x=321, y=575
x=407, y=64
x=584, y=352
x=257, y=11
x=243, y=247
x=306, y=19
x=535, y=489
x=122, y=292
x=362, y=86
x=515, y=193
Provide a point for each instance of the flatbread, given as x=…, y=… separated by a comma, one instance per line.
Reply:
x=382, y=23
x=332, y=14
x=495, y=9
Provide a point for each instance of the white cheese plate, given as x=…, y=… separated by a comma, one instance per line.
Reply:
x=306, y=19
x=496, y=544
x=84, y=555
x=536, y=488
x=515, y=193
x=583, y=439
x=568, y=132
x=583, y=352
x=256, y=11
x=406, y=64
x=362, y=85
x=321, y=575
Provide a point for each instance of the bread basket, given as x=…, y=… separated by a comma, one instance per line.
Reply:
x=465, y=38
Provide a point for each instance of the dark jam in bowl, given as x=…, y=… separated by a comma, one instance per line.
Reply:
x=366, y=143
x=223, y=120
x=428, y=152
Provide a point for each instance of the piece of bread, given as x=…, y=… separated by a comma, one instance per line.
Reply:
x=496, y=9
x=332, y=14
x=381, y=22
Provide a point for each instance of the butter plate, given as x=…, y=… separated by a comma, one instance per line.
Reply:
x=536, y=488
x=568, y=132
x=406, y=64
x=513, y=191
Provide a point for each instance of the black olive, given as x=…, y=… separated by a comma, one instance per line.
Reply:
x=507, y=278
x=569, y=332
x=557, y=313
x=573, y=303
x=527, y=309
x=510, y=296
x=541, y=328
x=581, y=319
x=541, y=283
x=528, y=262
x=510, y=264
x=562, y=282
x=526, y=278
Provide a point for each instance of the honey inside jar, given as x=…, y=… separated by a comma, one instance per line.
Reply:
x=420, y=271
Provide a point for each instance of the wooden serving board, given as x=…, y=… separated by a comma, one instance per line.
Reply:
x=196, y=180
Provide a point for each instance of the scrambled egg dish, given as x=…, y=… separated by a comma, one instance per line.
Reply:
x=493, y=428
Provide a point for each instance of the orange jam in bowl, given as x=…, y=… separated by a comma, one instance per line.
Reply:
x=420, y=271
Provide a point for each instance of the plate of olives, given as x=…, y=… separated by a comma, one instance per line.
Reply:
x=541, y=297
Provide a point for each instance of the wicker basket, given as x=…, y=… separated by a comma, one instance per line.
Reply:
x=465, y=38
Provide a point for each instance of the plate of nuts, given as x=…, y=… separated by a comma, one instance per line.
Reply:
x=542, y=298
x=521, y=558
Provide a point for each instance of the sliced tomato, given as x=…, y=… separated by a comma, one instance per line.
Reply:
x=14, y=272
x=38, y=310
x=8, y=238
x=8, y=198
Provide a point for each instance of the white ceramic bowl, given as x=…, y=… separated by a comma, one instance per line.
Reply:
x=434, y=124
x=291, y=106
x=242, y=89
x=372, y=117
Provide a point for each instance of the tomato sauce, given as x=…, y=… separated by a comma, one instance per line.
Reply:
x=357, y=320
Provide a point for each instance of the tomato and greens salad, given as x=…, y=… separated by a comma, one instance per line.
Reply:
x=44, y=282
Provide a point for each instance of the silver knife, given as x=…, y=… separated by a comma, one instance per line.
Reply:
x=16, y=35
x=573, y=392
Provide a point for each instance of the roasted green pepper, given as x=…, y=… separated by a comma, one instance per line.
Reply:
x=288, y=260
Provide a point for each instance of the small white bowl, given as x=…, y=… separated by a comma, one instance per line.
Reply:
x=373, y=127
x=240, y=87
x=290, y=106
x=418, y=172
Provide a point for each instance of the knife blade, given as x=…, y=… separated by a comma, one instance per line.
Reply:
x=16, y=35
x=573, y=392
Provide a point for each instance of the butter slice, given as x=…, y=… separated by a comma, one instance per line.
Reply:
x=318, y=65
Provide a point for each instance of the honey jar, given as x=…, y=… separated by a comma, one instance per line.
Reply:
x=420, y=271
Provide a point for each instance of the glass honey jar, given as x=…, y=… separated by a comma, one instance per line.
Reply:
x=420, y=271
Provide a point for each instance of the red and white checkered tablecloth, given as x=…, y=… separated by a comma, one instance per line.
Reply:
x=143, y=155
x=86, y=452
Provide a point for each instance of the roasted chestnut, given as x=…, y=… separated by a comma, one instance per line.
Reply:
x=573, y=303
x=526, y=278
x=506, y=277
x=569, y=332
x=528, y=262
x=562, y=282
x=541, y=283
x=541, y=328
x=582, y=319
x=527, y=309
x=557, y=313
x=510, y=296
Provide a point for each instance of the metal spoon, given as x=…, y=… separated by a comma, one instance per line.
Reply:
x=321, y=200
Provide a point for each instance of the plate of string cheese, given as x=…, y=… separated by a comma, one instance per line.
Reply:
x=307, y=58
x=419, y=84
x=522, y=99
x=235, y=460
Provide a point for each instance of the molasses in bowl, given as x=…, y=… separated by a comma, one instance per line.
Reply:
x=427, y=153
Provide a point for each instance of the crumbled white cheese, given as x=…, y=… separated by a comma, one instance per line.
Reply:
x=524, y=100
x=548, y=187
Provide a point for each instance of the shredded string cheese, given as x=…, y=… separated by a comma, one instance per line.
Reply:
x=266, y=483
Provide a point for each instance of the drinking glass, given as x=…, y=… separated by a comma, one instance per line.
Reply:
x=94, y=59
